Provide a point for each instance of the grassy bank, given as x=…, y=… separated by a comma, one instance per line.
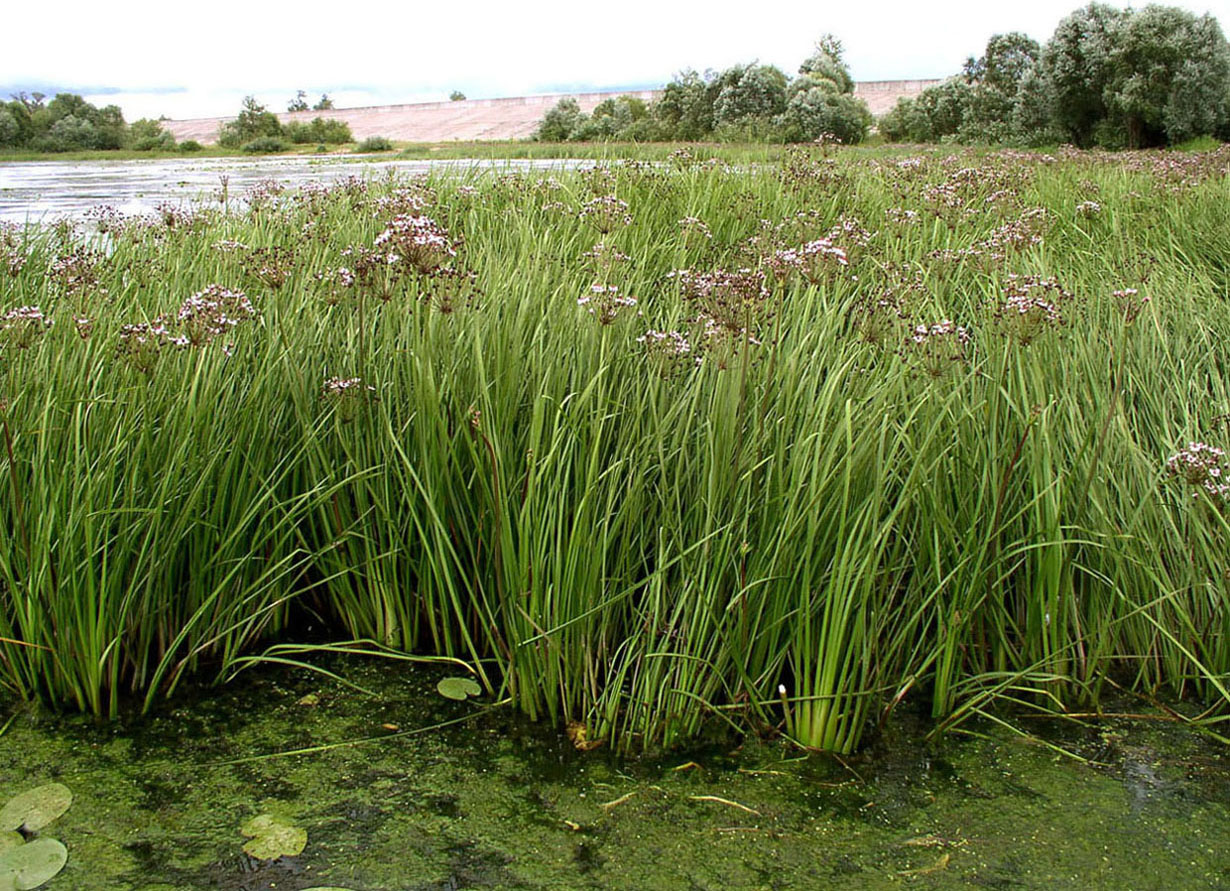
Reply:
x=639, y=447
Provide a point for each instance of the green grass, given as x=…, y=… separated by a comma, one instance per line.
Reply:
x=818, y=519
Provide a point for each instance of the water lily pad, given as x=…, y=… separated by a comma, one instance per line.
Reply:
x=10, y=840
x=273, y=837
x=458, y=688
x=35, y=808
x=32, y=864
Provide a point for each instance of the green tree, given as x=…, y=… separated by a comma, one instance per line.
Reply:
x=749, y=91
x=9, y=131
x=147, y=135
x=559, y=122
x=1077, y=65
x=685, y=109
x=323, y=104
x=996, y=78
x=253, y=122
x=1168, y=69
x=299, y=103
x=823, y=112
x=456, y=96
x=827, y=64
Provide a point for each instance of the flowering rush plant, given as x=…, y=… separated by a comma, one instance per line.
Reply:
x=1200, y=466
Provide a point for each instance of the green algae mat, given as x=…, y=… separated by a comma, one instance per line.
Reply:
x=402, y=788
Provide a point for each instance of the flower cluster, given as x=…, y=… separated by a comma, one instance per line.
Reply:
x=375, y=270
x=852, y=235
x=12, y=252
x=821, y=259
x=107, y=220
x=695, y=231
x=264, y=194
x=76, y=273
x=1131, y=303
x=1031, y=307
x=1088, y=209
x=671, y=343
x=1200, y=466
x=21, y=327
x=603, y=259
x=448, y=289
x=213, y=312
x=605, y=213
x=404, y=202
x=599, y=180
x=172, y=216
x=902, y=216
x=335, y=283
x=271, y=266
x=604, y=302
x=345, y=394
x=731, y=306
x=878, y=315
x=936, y=348
x=420, y=241
x=1015, y=235
x=141, y=344
x=682, y=159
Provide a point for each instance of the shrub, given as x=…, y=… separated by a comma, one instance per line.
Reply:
x=558, y=124
x=147, y=135
x=374, y=144
x=749, y=91
x=820, y=112
x=266, y=145
x=190, y=145
x=9, y=131
x=69, y=133
x=330, y=132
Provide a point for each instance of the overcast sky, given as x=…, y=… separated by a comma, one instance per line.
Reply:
x=199, y=59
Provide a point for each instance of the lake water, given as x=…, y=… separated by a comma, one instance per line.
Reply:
x=45, y=190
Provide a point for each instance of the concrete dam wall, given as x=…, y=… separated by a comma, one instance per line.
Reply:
x=489, y=119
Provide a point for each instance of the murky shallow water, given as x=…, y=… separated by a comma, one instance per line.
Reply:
x=491, y=802
x=44, y=190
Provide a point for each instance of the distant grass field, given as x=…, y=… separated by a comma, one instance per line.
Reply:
x=639, y=446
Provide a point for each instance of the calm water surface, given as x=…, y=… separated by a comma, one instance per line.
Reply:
x=45, y=190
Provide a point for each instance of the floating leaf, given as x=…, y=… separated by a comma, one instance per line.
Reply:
x=458, y=688
x=273, y=837
x=10, y=840
x=35, y=808
x=32, y=864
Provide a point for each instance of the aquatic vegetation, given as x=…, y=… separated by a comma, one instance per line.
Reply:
x=28, y=860
x=458, y=688
x=642, y=447
x=270, y=837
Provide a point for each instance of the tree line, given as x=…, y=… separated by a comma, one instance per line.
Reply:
x=69, y=123
x=1115, y=78
x=749, y=102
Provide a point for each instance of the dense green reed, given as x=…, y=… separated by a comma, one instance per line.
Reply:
x=924, y=457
